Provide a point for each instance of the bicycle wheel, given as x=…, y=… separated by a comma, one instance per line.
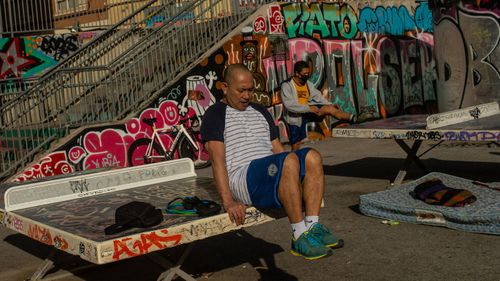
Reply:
x=136, y=155
x=187, y=150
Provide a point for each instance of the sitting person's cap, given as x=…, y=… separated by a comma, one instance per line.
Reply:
x=434, y=192
x=134, y=214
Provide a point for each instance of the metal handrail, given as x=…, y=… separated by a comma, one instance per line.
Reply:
x=85, y=54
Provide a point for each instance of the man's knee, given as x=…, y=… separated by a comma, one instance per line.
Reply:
x=313, y=158
x=291, y=161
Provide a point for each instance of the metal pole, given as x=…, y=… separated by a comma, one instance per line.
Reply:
x=3, y=12
x=9, y=13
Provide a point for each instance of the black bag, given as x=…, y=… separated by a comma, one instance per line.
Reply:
x=134, y=214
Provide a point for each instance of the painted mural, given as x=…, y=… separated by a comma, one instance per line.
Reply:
x=111, y=147
x=22, y=58
x=469, y=73
x=367, y=58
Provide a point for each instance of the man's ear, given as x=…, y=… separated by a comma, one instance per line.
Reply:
x=224, y=87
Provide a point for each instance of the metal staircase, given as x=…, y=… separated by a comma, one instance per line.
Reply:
x=118, y=72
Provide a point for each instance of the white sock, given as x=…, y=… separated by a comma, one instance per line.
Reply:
x=310, y=220
x=298, y=229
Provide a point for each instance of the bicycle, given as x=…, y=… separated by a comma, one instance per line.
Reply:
x=151, y=150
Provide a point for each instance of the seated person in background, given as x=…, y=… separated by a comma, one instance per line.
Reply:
x=304, y=103
x=250, y=166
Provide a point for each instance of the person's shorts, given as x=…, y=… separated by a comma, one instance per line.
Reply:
x=298, y=133
x=263, y=178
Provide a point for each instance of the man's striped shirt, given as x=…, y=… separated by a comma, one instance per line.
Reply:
x=247, y=136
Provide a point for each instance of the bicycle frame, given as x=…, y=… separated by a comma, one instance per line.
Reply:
x=180, y=130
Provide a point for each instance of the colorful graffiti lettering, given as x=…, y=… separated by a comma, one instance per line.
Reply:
x=327, y=20
x=105, y=149
x=41, y=234
x=357, y=70
x=136, y=247
x=472, y=136
x=395, y=20
x=469, y=72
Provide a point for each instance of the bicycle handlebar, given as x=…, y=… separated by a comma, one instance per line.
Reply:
x=150, y=121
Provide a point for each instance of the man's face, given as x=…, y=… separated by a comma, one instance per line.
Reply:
x=304, y=74
x=239, y=90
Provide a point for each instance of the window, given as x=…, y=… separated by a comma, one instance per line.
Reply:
x=69, y=6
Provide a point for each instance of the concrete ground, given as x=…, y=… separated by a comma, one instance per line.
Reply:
x=373, y=251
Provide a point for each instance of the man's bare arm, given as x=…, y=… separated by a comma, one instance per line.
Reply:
x=235, y=210
x=277, y=146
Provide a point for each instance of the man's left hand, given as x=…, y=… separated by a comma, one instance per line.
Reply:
x=236, y=211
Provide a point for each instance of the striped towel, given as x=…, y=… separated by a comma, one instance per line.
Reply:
x=434, y=192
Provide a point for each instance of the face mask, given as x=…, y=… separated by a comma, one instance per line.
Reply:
x=304, y=79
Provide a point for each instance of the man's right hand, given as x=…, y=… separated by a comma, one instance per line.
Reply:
x=314, y=109
x=236, y=211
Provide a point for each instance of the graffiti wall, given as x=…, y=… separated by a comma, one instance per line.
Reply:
x=24, y=57
x=119, y=145
x=374, y=58
x=469, y=72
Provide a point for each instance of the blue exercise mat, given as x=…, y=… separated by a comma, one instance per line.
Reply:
x=482, y=216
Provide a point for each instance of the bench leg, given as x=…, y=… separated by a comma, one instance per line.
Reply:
x=48, y=264
x=44, y=267
x=411, y=156
x=173, y=270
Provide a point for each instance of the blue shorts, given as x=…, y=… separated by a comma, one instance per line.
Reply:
x=263, y=178
x=298, y=133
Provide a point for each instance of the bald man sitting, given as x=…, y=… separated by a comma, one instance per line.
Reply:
x=251, y=167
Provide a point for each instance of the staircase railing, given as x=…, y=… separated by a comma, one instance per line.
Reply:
x=111, y=88
x=100, y=51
